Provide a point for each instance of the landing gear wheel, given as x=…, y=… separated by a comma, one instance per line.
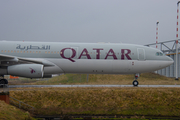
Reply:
x=6, y=81
x=135, y=83
x=3, y=81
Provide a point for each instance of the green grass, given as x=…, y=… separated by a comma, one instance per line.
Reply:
x=96, y=79
x=108, y=101
x=22, y=81
x=8, y=112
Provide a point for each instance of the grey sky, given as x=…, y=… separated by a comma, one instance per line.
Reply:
x=126, y=21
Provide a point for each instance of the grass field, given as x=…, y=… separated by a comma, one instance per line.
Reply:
x=108, y=101
x=8, y=112
x=144, y=79
x=105, y=101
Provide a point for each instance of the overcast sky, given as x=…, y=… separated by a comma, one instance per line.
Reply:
x=115, y=21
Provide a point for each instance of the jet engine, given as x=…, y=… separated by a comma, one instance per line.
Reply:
x=26, y=70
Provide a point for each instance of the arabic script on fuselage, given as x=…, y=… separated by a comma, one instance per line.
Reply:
x=31, y=47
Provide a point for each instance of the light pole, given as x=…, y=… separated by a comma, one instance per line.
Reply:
x=157, y=34
x=177, y=41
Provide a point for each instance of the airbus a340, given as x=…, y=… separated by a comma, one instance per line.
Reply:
x=43, y=59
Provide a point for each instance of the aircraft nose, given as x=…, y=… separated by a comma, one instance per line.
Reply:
x=170, y=60
x=167, y=61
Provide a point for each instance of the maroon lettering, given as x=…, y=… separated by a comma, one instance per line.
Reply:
x=85, y=53
x=97, y=52
x=112, y=54
x=123, y=54
x=69, y=58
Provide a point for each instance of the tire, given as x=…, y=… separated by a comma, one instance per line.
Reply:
x=135, y=83
x=3, y=81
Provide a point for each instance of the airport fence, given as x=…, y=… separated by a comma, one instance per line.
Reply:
x=21, y=105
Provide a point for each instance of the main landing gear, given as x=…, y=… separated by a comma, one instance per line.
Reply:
x=135, y=82
x=3, y=82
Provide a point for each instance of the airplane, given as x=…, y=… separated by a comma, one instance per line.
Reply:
x=43, y=59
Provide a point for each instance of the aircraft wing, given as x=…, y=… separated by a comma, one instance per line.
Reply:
x=9, y=58
x=2, y=57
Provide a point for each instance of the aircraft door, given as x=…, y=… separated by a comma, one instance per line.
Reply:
x=141, y=54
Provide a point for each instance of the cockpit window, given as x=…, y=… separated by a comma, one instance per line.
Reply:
x=159, y=54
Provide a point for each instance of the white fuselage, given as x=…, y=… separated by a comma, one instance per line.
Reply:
x=92, y=58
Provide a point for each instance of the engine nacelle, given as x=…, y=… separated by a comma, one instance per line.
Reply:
x=26, y=70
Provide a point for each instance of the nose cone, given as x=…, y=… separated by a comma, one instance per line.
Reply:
x=170, y=60
x=166, y=62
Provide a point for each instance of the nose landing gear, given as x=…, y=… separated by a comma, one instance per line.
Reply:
x=135, y=82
